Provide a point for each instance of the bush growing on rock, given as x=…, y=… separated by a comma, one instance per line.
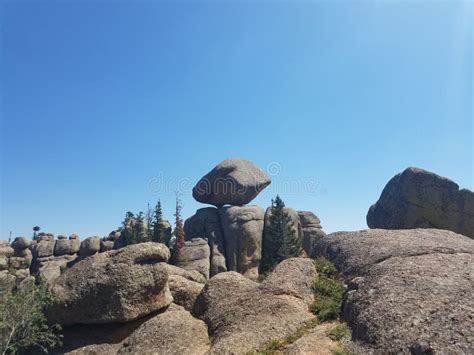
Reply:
x=23, y=324
x=328, y=291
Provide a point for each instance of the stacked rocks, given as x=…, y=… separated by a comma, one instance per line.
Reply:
x=233, y=232
x=15, y=261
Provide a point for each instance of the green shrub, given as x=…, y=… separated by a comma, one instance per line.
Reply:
x=325, y=267
x=23, y=323
x=338, y=332
x=328, y=294
x=341, y=350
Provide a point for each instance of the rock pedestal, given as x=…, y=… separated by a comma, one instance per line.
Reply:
x=243, y=228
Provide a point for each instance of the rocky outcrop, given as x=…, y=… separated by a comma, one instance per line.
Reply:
x=409, y=290
x=15, y=262
x=243, y=228
x=115, y=286
x=196, y=255
x=243, y=315
x=205, y=223
x=417, y=198
x=312, y=231
x=232, y=182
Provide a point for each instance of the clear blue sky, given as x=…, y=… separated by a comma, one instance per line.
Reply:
x=101, y=97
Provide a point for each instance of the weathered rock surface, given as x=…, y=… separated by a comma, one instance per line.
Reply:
x=316, y=342
x=409, y=289
x=106, y=245
x=66, y=247
x=172, y=332
x=312, y=231
x=243, y=315
x=114, y=286
x=234, y=181
x=417, y=198
x=191, y=275
x=196, y=255
x=205, y=223
x=44, y=247
x=293, y=277
x=184, y=291
x=50, y=268
x=243, y=228
x=21, y=243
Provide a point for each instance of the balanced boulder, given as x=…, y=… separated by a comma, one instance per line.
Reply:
x=234, y=181
x=410, y=291
x=114, y=286
x=417, y=198
x=243, y=228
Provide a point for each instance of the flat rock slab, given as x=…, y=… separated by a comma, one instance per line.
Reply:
x=409, y=290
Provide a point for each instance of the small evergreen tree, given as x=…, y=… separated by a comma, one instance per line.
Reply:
x=280, y=240
x=140, y=229
x=159, y=234
x=36, y=229
x=177, y=252
x=127, y=229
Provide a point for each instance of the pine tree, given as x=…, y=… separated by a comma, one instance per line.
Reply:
x=127, y=229
x=280, y=240
x=177, y=252
x=139, y=229
x=159, y=234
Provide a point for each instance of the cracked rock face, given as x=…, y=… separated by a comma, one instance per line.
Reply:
x=417, y=198
x=408, y=289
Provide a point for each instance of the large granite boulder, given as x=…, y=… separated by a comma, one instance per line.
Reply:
x=243, y=229
x=89, y=246
x=417, y=198
x=172, y=331
x=44, y=246
x=66, y=247
x=184, y=291
x=191, y=275
x=243, y=315
x=50, y=268
x=114, y=286
x=205, y=223
x=233, y=181
x=409, y=290
x=21, y=243
x=312, y=231
x=175, y=331
x=196, y=256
